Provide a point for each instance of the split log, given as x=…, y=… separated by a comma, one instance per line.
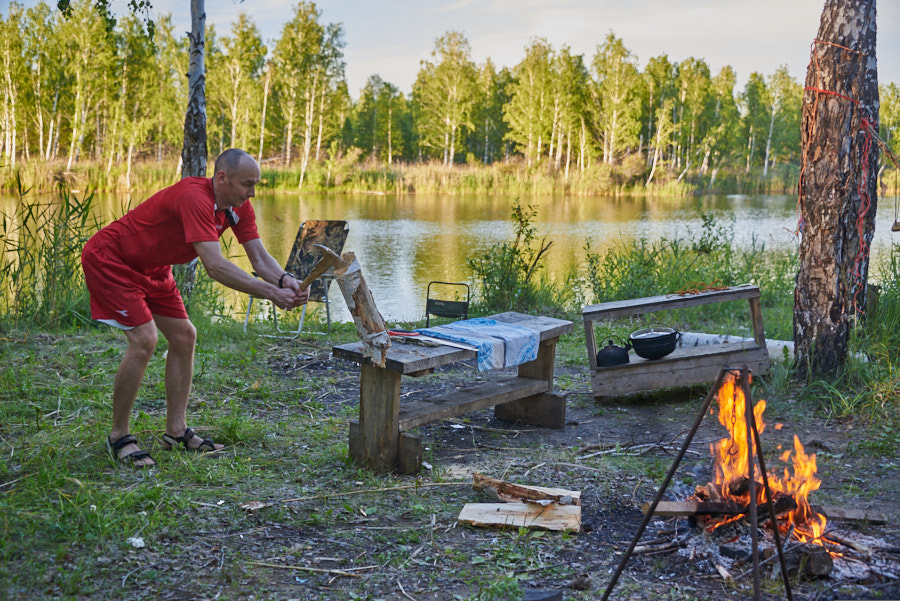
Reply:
x=516, y=493
x=522, y=515
x=369, y=322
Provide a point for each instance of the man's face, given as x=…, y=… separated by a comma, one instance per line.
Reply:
x=232, y=191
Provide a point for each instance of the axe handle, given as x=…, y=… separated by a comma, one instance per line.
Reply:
x=321, y=267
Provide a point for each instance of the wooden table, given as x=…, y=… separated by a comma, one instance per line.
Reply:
x=380, y=439
x=684, y=366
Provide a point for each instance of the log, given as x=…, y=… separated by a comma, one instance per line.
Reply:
x=369, y=322
x=782, y=504
x=516, y=493
x=689, y=508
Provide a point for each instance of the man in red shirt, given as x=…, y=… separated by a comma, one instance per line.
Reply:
x=127, y=267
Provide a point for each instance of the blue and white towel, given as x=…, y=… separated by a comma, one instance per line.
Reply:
x=499, y=344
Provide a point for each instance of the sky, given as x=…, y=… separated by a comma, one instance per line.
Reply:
x=391, y=37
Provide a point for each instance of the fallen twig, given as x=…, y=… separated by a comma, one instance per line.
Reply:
x=405, y=594
x=309, y=569
x=374, y=490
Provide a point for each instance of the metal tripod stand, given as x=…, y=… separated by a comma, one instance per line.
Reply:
x=754, y=449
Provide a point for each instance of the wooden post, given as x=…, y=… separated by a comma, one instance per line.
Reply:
x=369, y=322
x=378, y=439
x=545, y=409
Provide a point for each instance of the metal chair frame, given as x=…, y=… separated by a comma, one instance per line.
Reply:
x=445, y=308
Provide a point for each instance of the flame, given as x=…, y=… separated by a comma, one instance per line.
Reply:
x=732, y=456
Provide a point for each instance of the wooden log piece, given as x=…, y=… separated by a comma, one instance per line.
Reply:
x=514, y=493
x=369, y=322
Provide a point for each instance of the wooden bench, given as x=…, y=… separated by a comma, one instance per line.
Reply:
x=684, y=366
x=380, y=441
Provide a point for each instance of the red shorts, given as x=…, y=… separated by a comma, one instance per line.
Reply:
x=123, y=295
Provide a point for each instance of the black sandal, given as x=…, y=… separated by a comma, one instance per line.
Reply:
x=170, y=442
x=114, y=446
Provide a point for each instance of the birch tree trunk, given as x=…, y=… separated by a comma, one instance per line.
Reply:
x=837, y=185
x=262, y=122
x=194, y=150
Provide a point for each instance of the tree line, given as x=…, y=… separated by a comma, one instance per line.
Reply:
x=76, y=90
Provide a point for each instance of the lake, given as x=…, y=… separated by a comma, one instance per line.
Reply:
x=404, y=242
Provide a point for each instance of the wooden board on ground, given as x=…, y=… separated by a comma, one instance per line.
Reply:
x=522, y=515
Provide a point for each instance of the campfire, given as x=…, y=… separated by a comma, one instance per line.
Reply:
x=790, y=490
x=750, y=516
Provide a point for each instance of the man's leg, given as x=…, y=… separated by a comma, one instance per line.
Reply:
x=141, y=343
x=182, y=337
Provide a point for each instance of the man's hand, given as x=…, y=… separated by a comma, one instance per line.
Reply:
x=297, y=297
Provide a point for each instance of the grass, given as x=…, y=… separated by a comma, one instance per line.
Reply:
x=72, y=517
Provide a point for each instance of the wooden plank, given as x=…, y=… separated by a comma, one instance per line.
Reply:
x=759, y=333
x=547, y=327
x=464, y=400
x=406, y=359
x=651, y=304
x=522, y=515
x=683, y=367
x=590, y=340
x=518, y=492
x=379, y=405
x=871, y=516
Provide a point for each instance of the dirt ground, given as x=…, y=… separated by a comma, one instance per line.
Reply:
x=414, y=549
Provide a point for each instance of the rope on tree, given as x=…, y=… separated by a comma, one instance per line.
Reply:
x=871, y=134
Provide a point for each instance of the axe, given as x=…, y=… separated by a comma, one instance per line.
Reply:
x=329, y=259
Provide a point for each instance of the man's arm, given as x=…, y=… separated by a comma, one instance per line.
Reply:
x=224, y=271
x=270, y=270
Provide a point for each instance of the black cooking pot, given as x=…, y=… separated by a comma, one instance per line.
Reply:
x=612, y=354
x=655, y=342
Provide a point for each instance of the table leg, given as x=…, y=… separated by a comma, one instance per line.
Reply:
x=546, y=410
x=378, y=432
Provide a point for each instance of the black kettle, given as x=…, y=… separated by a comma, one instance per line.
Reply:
x=613, y=354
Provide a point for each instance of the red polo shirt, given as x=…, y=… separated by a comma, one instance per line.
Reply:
x=127, y=264
x=161, y=230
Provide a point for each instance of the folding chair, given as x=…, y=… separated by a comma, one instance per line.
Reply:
x=302, y=259
x=452, y=309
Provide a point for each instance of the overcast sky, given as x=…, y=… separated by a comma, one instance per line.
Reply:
x=392, y=37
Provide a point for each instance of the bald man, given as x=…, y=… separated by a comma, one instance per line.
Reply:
x=127, y=268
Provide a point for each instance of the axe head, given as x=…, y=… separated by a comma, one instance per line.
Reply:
x=327, y=253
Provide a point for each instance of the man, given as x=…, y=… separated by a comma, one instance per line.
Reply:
x=127, y=267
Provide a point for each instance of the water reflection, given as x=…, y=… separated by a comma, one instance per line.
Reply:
x=402, y=243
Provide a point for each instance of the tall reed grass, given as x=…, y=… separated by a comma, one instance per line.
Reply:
x=41, y=280
x=40, y=266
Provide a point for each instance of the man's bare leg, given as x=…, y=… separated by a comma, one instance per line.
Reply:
x=141, y=343
x=182, y=338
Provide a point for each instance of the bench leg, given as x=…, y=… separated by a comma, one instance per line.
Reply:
x=375, y=439
x=545, y=409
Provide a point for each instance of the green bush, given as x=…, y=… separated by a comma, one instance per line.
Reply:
x=512, y=276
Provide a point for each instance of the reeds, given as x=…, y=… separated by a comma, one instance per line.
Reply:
x=40, y=267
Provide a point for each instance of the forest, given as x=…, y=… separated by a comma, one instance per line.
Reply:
x=84, y=95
